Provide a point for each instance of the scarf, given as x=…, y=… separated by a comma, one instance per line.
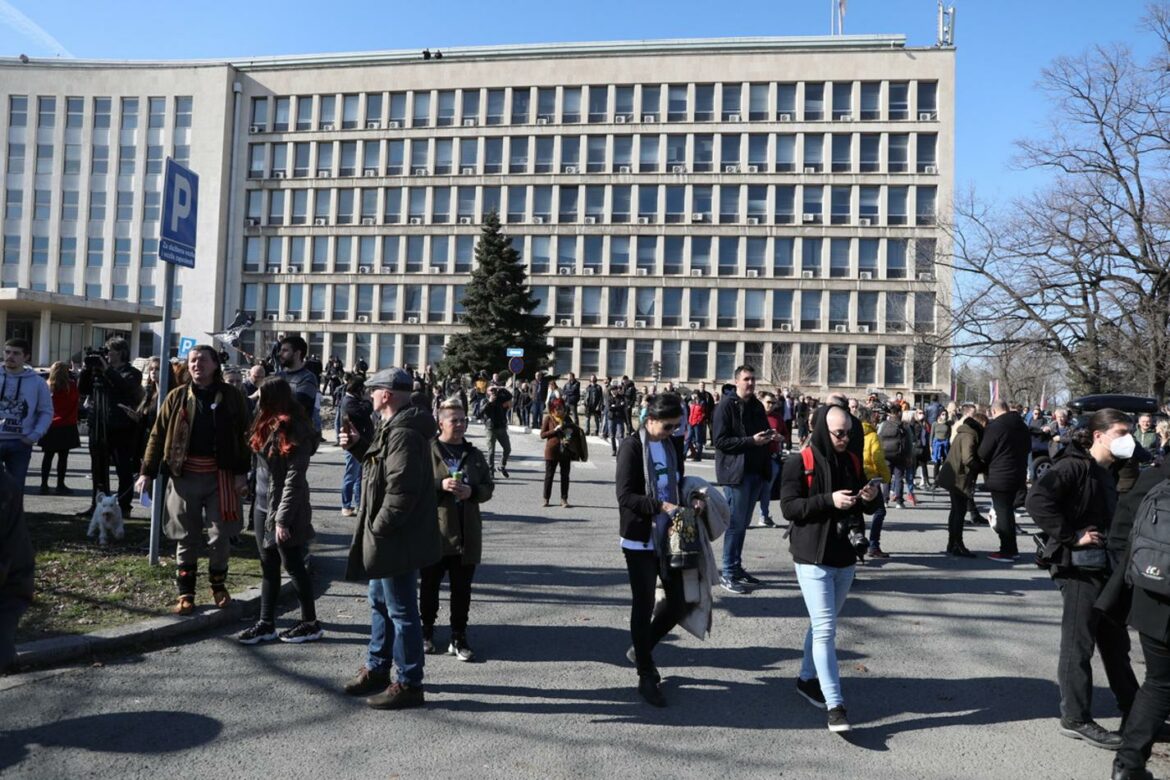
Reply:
x=661, y=521
x=177, y=458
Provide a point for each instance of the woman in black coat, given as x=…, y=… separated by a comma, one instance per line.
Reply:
x=645, y=507
x=283, y=439
x=1073, y=503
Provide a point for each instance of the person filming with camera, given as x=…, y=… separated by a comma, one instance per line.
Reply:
x=114, y=389
x=823, y=495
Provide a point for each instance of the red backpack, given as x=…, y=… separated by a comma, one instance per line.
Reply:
x=806, y=456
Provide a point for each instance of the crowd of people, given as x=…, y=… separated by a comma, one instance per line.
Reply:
x=236, y=447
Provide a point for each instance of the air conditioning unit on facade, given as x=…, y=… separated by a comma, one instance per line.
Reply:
x=639, y=323
x=412, y=320
x=363, y=318
x=465, y=220
x=865, y=276
x=367, y=220
x=863, y=329
x=734, y=118
x=784, y=327
x=370, y=172
x=416, y=220
x=927, y=116
x=678, y=169
x=395, y=124
x=696, y=272
x=863, y=222
x=809, y=217
x=753, y=273
x=840, y=329
x=469, y=122
x=753, y=169
x=278, y=174
x=274, y=269
x=619, y=324
x=590, y=220
x=542, y=120
x=620, y=119
x=588, y=271
x=565, y=271
x=364, y=269
x=253, y=129
x=421, y=172
x=697, y=217
x=753, y=220
x=252, y=222
x=784, y=117
x=807, y=275
x=731, y=168
x=328, y=126
x=566, y=323
x=930, y=170
x=437, y=269
x=926, y=277
x=271, y=317
x=643, y=220
x=810, y=169
x=538, y=220
x=570, y=169
x=467, y=170
x=320, y=221
x=324, y=173
x=845, y=118
x=373, y=124
x=290, y=317
x=623, y=169
x=693, y=325
x=641, y=272
x=649, y=117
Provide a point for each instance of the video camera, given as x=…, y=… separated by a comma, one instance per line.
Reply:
x=94, y=357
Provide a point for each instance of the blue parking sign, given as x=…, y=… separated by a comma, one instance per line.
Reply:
x=186, y=344
x=179, y=215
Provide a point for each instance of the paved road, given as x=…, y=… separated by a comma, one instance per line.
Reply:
x=948, y=670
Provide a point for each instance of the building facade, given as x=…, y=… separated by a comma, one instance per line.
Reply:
x=698, y=204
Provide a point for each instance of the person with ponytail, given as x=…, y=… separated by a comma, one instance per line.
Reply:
x=1073, y=503
x=283, y=438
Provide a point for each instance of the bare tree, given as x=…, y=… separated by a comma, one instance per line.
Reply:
x=1079, y=269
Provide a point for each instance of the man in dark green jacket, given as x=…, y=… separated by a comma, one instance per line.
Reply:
x=397, y=534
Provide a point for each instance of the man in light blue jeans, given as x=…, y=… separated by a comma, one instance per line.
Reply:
x=823, y=494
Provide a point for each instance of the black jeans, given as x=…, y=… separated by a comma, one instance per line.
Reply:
x=550, y=468
x=955, y=518
x=1082, y=629
x=647, y=631
x=1005, y=521
x=121, y=450
x=47, y=466
x=1150, y=708
x=460, y=575
x=293, y=560
x=593, y=422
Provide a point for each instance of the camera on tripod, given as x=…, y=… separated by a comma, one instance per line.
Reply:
x=94, y=357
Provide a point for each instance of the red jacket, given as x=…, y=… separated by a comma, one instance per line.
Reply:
x=776, y=423
x=696, y=416
x=65, y=406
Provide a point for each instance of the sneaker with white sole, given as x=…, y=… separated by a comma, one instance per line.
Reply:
x=260, y=632
x=459, y=649
x=302, y=632
x=837, y=720
x=731, y=586
x=811, y=691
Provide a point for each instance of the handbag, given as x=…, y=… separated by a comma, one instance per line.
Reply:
x=1090, y=558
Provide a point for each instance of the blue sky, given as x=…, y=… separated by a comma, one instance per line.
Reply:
x=1002, y=45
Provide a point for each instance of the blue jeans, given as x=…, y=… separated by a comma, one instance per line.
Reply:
x=878, y=520
x=616, y=424
x=536, y=414
x=742, y=498
x=15, y=455
x=396, y=628
x=824, y=589
x=351, y=482
x=901, y=477
x=695, y=438
x=766, y=490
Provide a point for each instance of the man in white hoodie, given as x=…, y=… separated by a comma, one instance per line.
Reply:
x=26, y=409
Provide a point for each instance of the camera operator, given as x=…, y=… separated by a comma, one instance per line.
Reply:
x=114, y=389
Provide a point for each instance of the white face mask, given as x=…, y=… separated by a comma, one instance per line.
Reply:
x=1122, y=447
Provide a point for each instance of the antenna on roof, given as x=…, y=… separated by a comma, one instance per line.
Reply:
x=946, y=25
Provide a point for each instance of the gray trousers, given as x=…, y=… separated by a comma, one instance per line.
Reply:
x=498, y=435
x=192, y=505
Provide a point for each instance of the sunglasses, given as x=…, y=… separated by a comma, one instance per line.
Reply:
x=839, y=435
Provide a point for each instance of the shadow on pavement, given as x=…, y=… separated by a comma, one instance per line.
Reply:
x=149, y=732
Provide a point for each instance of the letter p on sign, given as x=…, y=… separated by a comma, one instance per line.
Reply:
x=180, y=215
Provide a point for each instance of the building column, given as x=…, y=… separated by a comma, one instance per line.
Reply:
x=3, y=325
x=42, y=347
x=135, y=337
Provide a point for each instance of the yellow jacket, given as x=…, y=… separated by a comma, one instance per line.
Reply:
x=874, y=458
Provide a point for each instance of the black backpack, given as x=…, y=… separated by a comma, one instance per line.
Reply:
x=1149, y=543
x=893, y=441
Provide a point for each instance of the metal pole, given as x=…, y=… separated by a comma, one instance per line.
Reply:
x=164, y=384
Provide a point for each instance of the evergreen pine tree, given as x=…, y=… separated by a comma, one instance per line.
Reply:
x=498, y=306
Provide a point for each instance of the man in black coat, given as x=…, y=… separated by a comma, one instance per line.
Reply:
x=571, y=395
x=114, y=388
x=742, y=465
x=1005, y=448
x=594, y=401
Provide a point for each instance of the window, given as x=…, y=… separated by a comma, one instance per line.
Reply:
x=445, y=105
x=842, y=101
x=495, y=106
x=697, y=360
x=421, y=114
x=518, y=154
x=648, y=202
x=898, y=153
x=16, y=158
x=12, y=250
x=927, y=153
x=540, y=254
x=122, y=252
x=731, y=110
x=757, y=102
x=348, y=158
x=925, y=204
x=839, y=258
x=838, y=364
x=390, y=252
x=899, y=101
x=895, y=366
x=896, y=205
x=470, y=106
x=437, y=303
x=327, y=113
x=704, y=152
x=69, y=205
x=701, y=201
x=924, y=256
x=810, y=258
x=75, y=111
x=257, y=160
x=46, y=112
x=700, y=306
x=126, y=155
x=842, y=146
x=928, y=99
x=810, y=364
x=871, y=97
x=372, y=155
x=896, y=258
x=704, y=102
x=838, y=309
x=13, y=204
x=814, y=101
x=814, y=150
x=154, y=159
x=781, y=308
x=395, y=157
x=839, y=205
x=785, y=153
x=675, y=203
x=351, y=111
x=895, y=311
x=676, y=106
x=923, y=365
x=40, y=250
x=813, y=208
x=785, y=102
x=97, y=206
x=101, y=112
x=924, y=312
x=42, y=204
x=17, y=111
x=757, y=152
x=700, y=255
x=725, y=361
x=728, y=203
x=870, y=156
x=340, y=302
x=651, y=101
x=93, y=252
x=183, y=110
x=260, y=112
x=304, y=112
x=129, y=113
x=727, y=309
x=280, y=116
x=867, y=257
x=810, y=309
x=521, y=106
x=598, y=104
x=125, y=206
x=45, y=159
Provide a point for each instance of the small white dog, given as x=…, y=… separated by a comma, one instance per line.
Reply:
x=107, y=519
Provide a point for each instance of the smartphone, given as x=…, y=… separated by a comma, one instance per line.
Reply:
x=876, y=483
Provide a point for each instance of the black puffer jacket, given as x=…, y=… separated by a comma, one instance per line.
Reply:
x=1073, y=495
x=1005, y=447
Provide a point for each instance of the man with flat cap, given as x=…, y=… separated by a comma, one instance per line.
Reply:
x=397, y=534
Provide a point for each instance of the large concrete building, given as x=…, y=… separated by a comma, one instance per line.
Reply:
x=698, y=203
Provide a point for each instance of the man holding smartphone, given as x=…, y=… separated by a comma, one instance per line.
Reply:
x=742, y=465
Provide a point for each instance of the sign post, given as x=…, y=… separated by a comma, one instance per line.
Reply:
x=176, y=246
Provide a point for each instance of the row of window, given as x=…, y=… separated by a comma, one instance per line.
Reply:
x=780, y=256
x=728, y=102
x=597, y=204
x=101, y=110
x=643, y=153
x=99, y=160
x=803, y=363
x=615, y=307
x=97, y=252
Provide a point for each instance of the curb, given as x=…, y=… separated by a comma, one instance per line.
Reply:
x=56, y=650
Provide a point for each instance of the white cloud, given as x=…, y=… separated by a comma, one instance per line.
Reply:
x=13, y=18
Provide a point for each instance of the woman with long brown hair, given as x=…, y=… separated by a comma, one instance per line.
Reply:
x=283, y=438
x=62, y=435
x=557, y=430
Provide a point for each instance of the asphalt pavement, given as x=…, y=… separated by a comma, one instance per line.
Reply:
x=948, y=670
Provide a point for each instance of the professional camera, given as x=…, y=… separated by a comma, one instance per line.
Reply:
x=855, y=535
x=94, y=357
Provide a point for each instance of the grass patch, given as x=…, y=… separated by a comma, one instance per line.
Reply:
x=81, y=587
